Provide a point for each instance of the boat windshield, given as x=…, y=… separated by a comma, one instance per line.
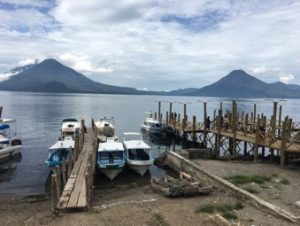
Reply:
x=110, y=156
x=139, y=154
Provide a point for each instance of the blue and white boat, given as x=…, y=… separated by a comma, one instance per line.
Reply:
x=58, y=151
x=110, y=157
x=137, y=153
x=9, y=144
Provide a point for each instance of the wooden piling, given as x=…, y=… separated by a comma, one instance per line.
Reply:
x=159, y=111
x=194, y=131
x=254, y=113
x=204, y=120
x=170, y=111
x=257, y=134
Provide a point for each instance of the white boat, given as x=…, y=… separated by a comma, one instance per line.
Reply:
x=69, y=127
x=137, y=153
x=61, y=149
x=105, y=128
x=9, y=144
x=110, y=157
x=152, y=125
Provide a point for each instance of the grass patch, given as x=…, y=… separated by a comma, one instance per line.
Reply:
x=157, y=220
x=251, y=190
x=285, y=181
x=225, y=209
x=242, y=179
x=229, y=216
x=209, y=208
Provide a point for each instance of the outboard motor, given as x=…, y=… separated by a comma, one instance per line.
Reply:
x=16, y=142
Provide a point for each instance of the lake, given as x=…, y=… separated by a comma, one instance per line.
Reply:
x=39, y=117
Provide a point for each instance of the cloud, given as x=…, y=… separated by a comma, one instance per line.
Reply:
x=286, y=78
x=27, y=61
x=82, y=63
x=156, y=44
x=7, y=75
x=258, y=70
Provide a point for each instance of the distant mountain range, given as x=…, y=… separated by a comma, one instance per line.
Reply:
x=240, y=84
x=52, y=76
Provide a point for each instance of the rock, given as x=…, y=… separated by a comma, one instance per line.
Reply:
x=297, y=203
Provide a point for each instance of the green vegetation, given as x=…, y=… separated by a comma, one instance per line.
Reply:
x=251, y=190
x=242, y=179
x=229, y=216
x=225, y=209
x=157, y=220
x=285, y=181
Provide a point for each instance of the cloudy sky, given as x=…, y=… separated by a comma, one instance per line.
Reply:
x=155, y=44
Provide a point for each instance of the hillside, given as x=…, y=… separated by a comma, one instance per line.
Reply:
x=239, y=84
x=52, y=76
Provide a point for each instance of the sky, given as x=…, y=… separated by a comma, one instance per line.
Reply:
x=155, y=44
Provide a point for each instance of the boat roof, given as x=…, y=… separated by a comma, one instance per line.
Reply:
x=69, y=120
x=104, y=123
x=70, y=125
x=110, y=145
x=4, y=126
x=3, y=139
x=7, y=120
x=136, y=144
x=151, y=120
x=62, y=144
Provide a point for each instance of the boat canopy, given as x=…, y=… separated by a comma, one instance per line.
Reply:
x=2, y=127
x=65, y=144
x=70, y=120
x=110, y=146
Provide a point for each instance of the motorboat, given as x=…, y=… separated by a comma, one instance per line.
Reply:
x=152, y=125
x=105, y=128
x=69, y=127
x=110, y=157
x=10, y=145
x=137, y=153
x=59, y=151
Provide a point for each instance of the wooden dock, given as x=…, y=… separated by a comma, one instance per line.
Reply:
x=76, y=192
x=226, y=130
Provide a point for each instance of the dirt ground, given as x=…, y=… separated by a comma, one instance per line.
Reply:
x=275, y=191
x=133, y=202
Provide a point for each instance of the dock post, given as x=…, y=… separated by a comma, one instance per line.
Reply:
x=170, y=111
x=159, y=111
x=1, y=108
x=167, y=118
x=283, y=142
x=194, y=130
x=234, y=125
x=245, y=148
x=204, y=120
x=254, y=113
x=257, y=134
x=274, y=118
x=279, y=117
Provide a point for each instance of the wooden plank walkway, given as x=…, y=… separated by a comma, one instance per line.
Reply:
x=76, y=193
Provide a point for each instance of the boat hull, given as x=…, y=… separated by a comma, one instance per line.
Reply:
x=111, y=171
x=140, y=167
x=9, y=151
x=155, y=129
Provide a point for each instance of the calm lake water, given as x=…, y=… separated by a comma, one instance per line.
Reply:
x=39, y=118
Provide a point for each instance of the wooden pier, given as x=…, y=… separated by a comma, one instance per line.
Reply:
x=224, y=132
x=72, y=188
